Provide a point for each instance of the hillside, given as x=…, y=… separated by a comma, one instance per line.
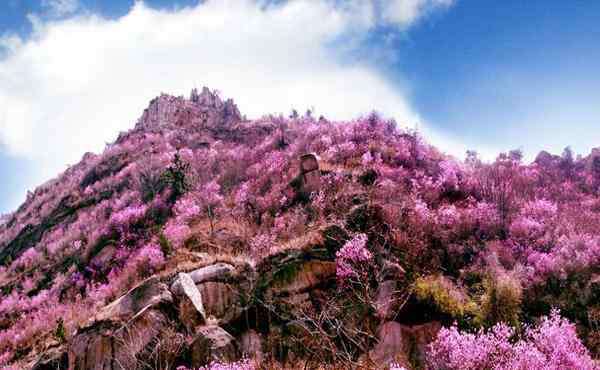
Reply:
x=200, y=236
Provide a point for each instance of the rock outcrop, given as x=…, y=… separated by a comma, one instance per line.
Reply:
x=204, y=109
x=123, y=329
x=212, y=343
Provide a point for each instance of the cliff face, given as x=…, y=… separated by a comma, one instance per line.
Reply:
x=201, y=109
x=200, y=236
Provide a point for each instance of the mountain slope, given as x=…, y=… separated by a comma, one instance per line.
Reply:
x=299, y=239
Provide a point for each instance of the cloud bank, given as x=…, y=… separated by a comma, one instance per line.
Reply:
x=77, y=81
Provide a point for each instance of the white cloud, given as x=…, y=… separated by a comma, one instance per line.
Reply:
x=404, y=13
x=76, y=82
x=60, y=8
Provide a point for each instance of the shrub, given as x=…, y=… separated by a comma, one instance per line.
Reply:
x=176, y=177
x=445, y=296
x=243, y=364
x=501, y=301
x=552, y=344
x=351, y=259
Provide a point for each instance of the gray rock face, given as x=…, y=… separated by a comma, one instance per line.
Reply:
x=217, y=272
x=212, y=343
x=121, y=330
x=191, y=308
x=222, y=301
x=204, y=302
x=251, y=346
x=148, y=294
x=396, y=342
x=393, y=345
x=386, y=299
x=205, y=109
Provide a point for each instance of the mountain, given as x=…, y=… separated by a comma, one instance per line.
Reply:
x=201, y=238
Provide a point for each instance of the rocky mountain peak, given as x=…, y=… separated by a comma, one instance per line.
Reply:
x=204, y=109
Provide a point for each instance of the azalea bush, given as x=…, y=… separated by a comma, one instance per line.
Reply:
x=552, y=344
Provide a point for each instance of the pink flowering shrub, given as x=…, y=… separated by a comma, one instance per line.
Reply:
x=28, y=259
x=244, y=364
x=150, y=258
x=351, y=259
x=262, y=244
x=186, y=208
x=552, y=344
x=176, y=233
x=123, y=219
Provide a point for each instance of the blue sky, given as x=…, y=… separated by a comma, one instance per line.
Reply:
x=484, y=75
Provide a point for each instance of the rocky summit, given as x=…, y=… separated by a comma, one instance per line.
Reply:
x=201, y=239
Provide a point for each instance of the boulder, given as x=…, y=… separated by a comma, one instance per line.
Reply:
x=121, y=330
x=218, y=272
x=221, y=301
x=150, y=293
x=403, y=344
x=311, y=177
x=212, y=343
x=392, y=346
x=308, y=163
x=191, y=308
x=251, y=346
x=108, y=346
x=421, y=336
x=386, y=301
x=93, y=349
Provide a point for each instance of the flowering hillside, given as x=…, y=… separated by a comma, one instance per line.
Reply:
x=331, y=244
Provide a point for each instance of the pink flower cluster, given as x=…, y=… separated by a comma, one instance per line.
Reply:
x=244, y=364
x=551, y=345
x=150, y=256
x=28, y=259
x=262, y=244
x=123, y=219
x=350, y=258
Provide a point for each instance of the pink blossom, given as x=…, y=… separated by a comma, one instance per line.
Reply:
x=28, y=258
x=176, y=233
x=244, y=364
x=351, y=256
x=553, y=344
x=262, y=244
x=186, y=208
x=123, y=219
x=151, y=255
